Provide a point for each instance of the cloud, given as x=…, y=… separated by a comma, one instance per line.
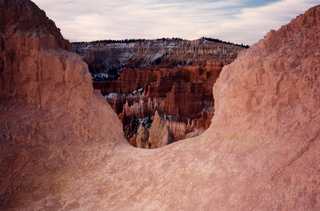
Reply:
x=251, y=24
x=231, y=20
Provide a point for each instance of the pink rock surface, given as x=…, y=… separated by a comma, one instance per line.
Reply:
x=62, y=146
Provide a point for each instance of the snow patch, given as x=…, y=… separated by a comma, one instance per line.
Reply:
x=137, y=92
x=113, y=95
x=124, y=58
x=146, y=122
x=100, y=77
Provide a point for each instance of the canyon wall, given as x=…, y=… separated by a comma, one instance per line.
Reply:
x=111, y=56
x=68, y=152
x=49, y=112
x=171, y=76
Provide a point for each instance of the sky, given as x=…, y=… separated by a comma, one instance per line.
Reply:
x=237, y=21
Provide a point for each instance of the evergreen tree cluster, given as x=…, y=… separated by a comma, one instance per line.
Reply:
x=109, y=41
x=225, y=42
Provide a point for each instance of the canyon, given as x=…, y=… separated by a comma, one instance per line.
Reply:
x=171, y=76
x=63, y=146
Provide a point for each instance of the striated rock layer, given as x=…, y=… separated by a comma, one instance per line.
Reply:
x=261, y=151
x=112, y=56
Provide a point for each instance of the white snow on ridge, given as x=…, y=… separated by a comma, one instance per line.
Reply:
x=100, y=76
x=113, y=95
x=156, y=56
x=172, y=44
x=123, y=45
x=125, y=57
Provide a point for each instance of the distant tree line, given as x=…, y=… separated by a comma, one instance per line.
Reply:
x=129, y=40
x=170, y=39
x=225, y=42
x=159, y=39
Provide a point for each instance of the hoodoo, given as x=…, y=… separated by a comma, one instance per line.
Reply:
x=63, y=147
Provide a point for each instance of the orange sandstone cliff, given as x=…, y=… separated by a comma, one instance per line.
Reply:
x=62, y=146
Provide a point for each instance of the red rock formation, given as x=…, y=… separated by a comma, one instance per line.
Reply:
x=26, y=51
x=142, y=138
x=183, y=92
x=159, y=135
x=261, y=151
x=176, y=76
x=49, y=114
x=178, y=128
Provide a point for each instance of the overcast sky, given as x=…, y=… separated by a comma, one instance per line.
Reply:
x=238, y=21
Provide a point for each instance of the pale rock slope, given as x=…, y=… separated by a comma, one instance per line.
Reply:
x=62, y=147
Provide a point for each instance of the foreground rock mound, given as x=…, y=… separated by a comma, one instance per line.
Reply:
x=261, y=151
x=49, y=113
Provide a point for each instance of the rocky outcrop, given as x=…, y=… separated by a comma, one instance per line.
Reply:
x=261, y=151
x=142, y=139
x=272, y=79
x=182, y=92
x=49, y=113
x=178, y=128
x=22, y=37
x=158, y=136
